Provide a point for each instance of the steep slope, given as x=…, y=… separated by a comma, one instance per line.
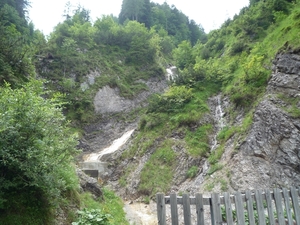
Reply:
x=266, y=156
x=269, y=156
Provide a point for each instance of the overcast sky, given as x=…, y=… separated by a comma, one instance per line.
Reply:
x=209, y=13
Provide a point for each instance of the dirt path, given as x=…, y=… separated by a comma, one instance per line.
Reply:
x=140, y=214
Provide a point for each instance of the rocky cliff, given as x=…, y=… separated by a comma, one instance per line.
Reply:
x=118, y=114
x=265, y=155
x=269, y=155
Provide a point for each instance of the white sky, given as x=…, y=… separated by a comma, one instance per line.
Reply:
x=209, y=13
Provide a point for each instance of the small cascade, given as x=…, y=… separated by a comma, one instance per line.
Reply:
x=92, y=163
x=171, y=73
x=116, y=145
x=220, y=121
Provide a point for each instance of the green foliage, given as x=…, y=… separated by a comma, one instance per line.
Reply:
x=192, y=172
x=171, y=101
x=36, y=150
x=15, y=53
x=111, y=206
x=291, y=105
x=183, y=55
x=157, y=174
x=213, y=168
x=226, y=133
x=197, y=141
x=91, y=217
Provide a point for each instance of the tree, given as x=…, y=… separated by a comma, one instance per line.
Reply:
x=36, y=150
x=183, y=55
x=146, y=16
x=197, y=33
x=131, y=9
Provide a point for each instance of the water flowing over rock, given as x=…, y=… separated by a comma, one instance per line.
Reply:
x=219, y=120
x=171, y=73
x=115, y=146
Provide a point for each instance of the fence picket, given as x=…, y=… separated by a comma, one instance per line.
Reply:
x=228, y=208
x=285, y=201
x=200, y=209
x=186, y=209
x=216, y=207
x=174, y=210
x=249, y=202
x=260, y=208
x=279, y=209
x=239, y=209
x=287, y=206
x=295, y=203
x=270, y=207
x=161, y=209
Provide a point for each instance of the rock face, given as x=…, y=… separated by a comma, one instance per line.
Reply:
x=114, y=109
x=266, y=156
x=108, y=100
x=270, y=154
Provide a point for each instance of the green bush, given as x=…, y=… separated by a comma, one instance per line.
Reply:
x=36, y=152
x=92, y=217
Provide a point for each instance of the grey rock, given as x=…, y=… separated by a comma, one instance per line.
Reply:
x=89, y=184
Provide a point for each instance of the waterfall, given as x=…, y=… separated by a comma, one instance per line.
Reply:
x=116, y=145
x=171, y=73
x=220, y=121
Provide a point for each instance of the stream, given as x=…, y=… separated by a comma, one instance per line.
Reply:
x=220, y=121
x=116, y=145
x=137, y=213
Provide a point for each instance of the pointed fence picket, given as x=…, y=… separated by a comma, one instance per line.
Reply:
x=277, y=207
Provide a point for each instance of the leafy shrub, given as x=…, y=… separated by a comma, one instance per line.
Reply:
x=92, y=217
x=171, y=101
x=36, y=151
x=238, y=47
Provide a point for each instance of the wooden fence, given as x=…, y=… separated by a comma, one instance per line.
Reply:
x=280, y=206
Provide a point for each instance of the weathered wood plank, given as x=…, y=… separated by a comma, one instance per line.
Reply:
x=260, y=208
x=216, y=209
x=161, y=209
x=270, y=207
x=174, y=209
x=200, y=209
x=249, y=203
x=186, y=209
x=239, y=209
x=228, y=208
x=278, y=204
x=288, y=209
x=295, y=202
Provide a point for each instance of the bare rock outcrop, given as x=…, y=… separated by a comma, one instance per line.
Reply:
x=108, y=100
x=270, y=155
x=114, y=109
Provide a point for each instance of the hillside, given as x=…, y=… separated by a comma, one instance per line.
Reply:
x=228, y=121
x=175, y=137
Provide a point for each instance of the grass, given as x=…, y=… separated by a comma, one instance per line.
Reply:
x=292, y=105
x=157, y=174
x=192, y=172
x=198, y=142
x=111, y=204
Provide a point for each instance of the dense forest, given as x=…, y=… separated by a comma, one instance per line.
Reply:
x=45, y=95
